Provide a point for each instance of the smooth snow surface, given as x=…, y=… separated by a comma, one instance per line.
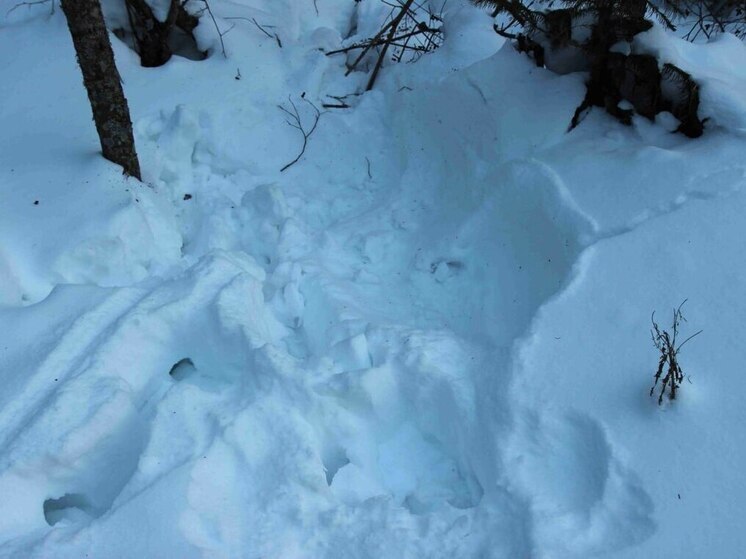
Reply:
x=428, y=338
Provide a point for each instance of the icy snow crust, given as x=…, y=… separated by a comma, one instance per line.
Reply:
x=428, y=338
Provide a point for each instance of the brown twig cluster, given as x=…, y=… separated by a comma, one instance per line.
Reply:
x=411, y=29
x=666, y=343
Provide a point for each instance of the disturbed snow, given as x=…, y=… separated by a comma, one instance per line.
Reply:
x=428, y=338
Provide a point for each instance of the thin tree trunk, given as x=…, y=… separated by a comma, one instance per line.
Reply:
x=101, y=79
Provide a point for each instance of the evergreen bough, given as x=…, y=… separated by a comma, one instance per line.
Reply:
x=573, y=35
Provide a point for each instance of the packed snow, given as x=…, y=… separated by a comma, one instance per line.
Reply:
x=429, y=337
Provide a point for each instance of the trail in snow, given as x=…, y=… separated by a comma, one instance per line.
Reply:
x=350, y=359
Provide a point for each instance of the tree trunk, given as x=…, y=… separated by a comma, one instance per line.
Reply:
x=101, y=79
x=151, y=35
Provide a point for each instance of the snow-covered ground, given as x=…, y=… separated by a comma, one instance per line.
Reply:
x=428, y=338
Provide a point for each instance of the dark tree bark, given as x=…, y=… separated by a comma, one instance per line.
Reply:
x=152, y=36
x=101, y=79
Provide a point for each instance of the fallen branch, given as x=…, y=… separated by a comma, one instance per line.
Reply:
x=392, y=32
x=376, y=41
x=406, y=30
x=340, y=102
x=294, y=119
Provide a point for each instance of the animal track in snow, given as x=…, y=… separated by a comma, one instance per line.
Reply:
x=567, y=463
x=582, y=498
x=334, y=458
x=91, y=438
x=515, y=250
x=70, y=506
x=416, y=472
x=387, y=439
x=182, y=369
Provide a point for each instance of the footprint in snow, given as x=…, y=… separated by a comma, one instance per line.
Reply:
x=582, y=498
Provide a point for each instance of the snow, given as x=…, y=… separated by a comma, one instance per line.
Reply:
x=714, y=65
x=427, y=338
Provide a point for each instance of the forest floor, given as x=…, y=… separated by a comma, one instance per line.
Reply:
x=429, y=337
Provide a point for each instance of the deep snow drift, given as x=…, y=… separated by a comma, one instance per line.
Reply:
x=428, y=338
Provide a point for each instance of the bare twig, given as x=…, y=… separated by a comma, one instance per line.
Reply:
x=294, y=119
x=392, y=32
x=217, y=27
x=378, y=41
x=252, y=20
x=408, y=28
x=369, y=45
x=29, y=4
x=262, y=28
x=340, y=103
x=710, y=17
x=689, y=338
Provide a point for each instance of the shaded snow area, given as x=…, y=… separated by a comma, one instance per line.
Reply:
x=428, y=338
